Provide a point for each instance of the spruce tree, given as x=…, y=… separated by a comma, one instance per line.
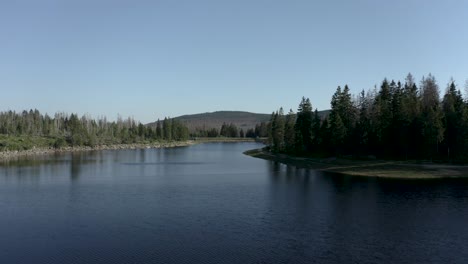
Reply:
x=454, y=122
x=433, y=130
x=289, y=131
x=278, y=124
x=167, y=129
x=316, y=136
x=158, y=130
x=303, y=126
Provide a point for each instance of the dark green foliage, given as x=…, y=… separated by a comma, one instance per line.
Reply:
x=179, y=131
x=363, y=132
x=212, y=132
x=261, y=130
x=167, y=129
x=241, y=133
x=159, y=132
x=432, y=116
x=229, y=130
x=277, y=131
x=30, y=129
x=226, y=130
x=342, y=120
x=455, y=123
x=250, y=133
x=206, y=121
x=303, y=126
x=316, y=135
x=338, y=132
x=289, y=132
x=60, y=143
x=397, y=121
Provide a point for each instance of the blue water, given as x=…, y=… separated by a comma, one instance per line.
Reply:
x=209, y=203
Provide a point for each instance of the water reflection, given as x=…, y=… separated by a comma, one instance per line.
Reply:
x=211, y=204
x=75, y=166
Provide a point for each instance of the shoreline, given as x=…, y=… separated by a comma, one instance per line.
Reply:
x=372, y=168
x=14, y=154
x=7, y=155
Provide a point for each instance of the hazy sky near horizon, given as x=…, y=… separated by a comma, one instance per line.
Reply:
x=150, y=59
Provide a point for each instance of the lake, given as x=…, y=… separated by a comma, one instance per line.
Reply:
x=209, y=203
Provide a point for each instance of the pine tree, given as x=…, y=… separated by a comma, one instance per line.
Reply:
x=382, y=118
x=223, y=132
x=346, y=109
x=338, y=132
x=398, y=129
x=454, y=122
x=159, y=132
x=363, y=126
x=411, y=110
x=241, y=133
x=289, y=131
x=278, y=127
x=433, y=130
x=337, y=126
x=303, y=126
x=167, y=129
x=316, y=136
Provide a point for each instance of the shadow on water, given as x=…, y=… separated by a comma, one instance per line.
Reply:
x=346, y=217
x=288, y=173
x=81, y=161
x=162, y=163
x=75, y=166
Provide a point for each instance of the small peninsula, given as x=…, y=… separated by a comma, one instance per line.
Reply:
x=367, y=168
x=402, y=130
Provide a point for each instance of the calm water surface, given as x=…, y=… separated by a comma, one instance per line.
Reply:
x=209, y=203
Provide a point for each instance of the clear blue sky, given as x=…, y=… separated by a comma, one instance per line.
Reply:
x=150, y=59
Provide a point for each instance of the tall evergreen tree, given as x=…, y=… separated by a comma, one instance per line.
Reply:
x=454, y=122
x=337, y=126
x=278, y=124
x=363, y=126
x=289, y=131
x=316, y=136
x=382, y=119
x=398, y=129
x=338, y=132
x=433, y=130
x=167, y=129
x=411, y=110
x=159, y=132
x=303, y=126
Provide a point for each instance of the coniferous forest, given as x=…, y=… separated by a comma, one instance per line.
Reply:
x=30, y=129
x=396, y=121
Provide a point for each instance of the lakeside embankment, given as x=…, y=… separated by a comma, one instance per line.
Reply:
x=368, y=168
x=6, y=155
x=10, y=154
x=226, y=139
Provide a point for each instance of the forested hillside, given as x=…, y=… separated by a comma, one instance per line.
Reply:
x=227, y=124
x=29, y=129
x=397, y=121
x=242, y=120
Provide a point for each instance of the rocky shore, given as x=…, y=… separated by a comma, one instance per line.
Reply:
x=6, y=155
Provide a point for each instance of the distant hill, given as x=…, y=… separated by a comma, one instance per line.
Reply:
x=244, y=120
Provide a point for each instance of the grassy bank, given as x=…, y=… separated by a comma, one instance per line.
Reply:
x=368, y=168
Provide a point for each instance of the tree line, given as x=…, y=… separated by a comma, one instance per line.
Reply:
x=231, y=130
x=396, y=121
x=71, y=130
